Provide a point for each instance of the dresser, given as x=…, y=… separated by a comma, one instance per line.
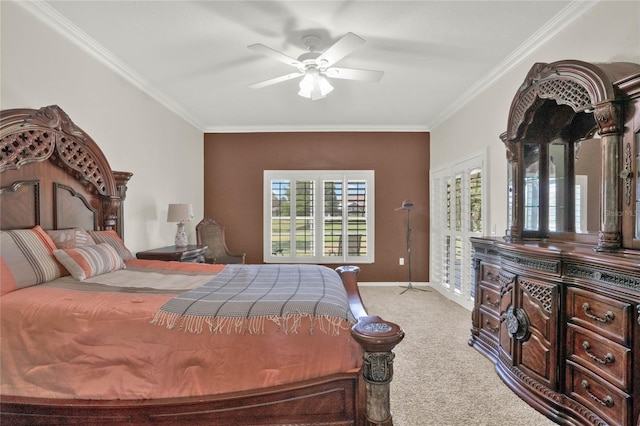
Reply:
x=562, y=327
x=557, y=299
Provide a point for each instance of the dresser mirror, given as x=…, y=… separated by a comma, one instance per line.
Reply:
x=561, y=165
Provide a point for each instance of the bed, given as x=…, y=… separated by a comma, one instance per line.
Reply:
x=91, y=335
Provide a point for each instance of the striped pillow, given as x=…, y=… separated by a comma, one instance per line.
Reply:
x=113, y=239
x=27, y=259
x=70, y=238
x=89, y=261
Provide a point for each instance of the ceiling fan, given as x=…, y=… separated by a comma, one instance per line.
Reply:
x=315, y=66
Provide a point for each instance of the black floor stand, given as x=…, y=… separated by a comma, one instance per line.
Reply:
x=410, y=286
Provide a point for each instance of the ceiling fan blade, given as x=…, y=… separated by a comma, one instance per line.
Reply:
x=341, y=48
x=271, y=81
x=354, y=74
x=267, y=51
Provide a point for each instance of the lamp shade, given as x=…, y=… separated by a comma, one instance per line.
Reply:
x=314, y=86
x=180, y=213
x=406, y=205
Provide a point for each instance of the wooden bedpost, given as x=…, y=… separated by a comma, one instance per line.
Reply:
x=378, y=338
x=122, y=178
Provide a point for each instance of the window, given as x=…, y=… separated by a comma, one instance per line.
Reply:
x=318, y=216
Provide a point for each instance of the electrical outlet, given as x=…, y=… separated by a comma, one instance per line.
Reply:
x=401, y=261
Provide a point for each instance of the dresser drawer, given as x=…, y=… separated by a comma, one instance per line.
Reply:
x=489, y=274
x=599, y=355
x=608, y=317
x=489, y=323
x=595, y=393
x=490, y=298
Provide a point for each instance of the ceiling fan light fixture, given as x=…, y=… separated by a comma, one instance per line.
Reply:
x=314, y=86
x=325, y=86
x=315, y=67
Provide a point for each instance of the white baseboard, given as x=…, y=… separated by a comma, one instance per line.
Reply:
x=391, y=284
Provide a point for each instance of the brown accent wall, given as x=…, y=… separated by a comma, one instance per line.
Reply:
x=233, y=175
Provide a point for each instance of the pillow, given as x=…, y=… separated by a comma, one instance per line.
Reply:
x=27, y=259
x=89, y=261
x=9, y=283
x=70, y=238
x=112, y=238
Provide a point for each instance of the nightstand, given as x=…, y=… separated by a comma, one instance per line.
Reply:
x=192, y=253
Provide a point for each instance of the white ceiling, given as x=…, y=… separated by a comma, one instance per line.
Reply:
x=192, y=56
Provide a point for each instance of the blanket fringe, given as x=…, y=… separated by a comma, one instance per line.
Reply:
x=287, y=323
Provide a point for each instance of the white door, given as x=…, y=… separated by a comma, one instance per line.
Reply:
x=458, y=193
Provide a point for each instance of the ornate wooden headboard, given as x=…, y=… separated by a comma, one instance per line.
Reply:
x=53, y=174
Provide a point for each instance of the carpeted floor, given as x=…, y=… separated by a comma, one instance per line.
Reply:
x=438, y=378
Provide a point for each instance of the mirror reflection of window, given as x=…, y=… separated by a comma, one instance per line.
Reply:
x=559, y=207
x=637, y=211
x=532, y=187
x=458, y=202
x=510, y=196
x=582, y=210
x=574, y=176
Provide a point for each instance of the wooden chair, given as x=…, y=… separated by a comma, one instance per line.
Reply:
x=211, y=233
x=354, y=245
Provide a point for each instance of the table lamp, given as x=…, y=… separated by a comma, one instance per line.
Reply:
x=180, y=213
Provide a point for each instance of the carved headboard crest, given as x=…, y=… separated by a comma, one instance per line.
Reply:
x=28, y=136
x=37, y=148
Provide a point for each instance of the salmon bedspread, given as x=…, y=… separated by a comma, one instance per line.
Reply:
x=79, y=340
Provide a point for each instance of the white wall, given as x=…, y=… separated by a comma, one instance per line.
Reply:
x=137, y=134
x=608, y=32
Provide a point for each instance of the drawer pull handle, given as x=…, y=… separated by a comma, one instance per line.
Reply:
x=490, y=275
x=608, y=358
x=607, y=401
x=495, y=303
x=607, y=317
x=488, y=326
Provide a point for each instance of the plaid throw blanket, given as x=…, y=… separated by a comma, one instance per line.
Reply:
x=242, y=297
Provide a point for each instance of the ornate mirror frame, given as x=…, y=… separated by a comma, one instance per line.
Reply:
x=587, y=89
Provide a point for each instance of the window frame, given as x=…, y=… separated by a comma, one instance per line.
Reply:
x=319, y=177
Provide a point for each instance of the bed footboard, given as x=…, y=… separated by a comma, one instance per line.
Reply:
x=377, y=338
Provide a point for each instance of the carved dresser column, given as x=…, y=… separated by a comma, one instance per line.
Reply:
x=378, y=337
x=514, y=178
x=609, y=116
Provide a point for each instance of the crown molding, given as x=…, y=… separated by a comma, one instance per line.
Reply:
x=566, y=17
x=48, y=15
x=317, y=128
x=53, y=19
